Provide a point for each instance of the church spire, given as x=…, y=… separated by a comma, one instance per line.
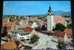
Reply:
x=49, y=11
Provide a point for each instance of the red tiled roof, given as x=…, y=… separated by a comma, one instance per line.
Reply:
x=68, y=32
x=59, y=19
x=28, y=29
x=60, y=34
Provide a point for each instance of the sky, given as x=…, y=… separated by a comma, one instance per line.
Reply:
x=33, y=7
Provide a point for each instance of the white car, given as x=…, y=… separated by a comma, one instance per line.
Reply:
x=22, y=35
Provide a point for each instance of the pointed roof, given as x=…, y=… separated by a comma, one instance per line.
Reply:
x=49, y=9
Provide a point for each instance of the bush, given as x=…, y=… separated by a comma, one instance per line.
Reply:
x=61, y=45
x=69, y=26
x=34, y=39
x=59, y=26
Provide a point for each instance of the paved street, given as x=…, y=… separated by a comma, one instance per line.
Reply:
x=45, y=41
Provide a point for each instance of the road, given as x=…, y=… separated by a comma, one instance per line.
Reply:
x=45, y=41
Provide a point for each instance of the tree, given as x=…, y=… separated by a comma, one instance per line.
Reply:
x=59, y=26
x=61, y=45
x=34, y=39
x=69, y=26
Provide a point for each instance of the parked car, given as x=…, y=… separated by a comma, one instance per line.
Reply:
x=22, y=35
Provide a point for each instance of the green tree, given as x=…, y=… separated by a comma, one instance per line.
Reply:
x=34, y=39
x=69, y=26
x=59, y=26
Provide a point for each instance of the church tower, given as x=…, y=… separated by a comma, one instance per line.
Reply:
x=50, y=22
